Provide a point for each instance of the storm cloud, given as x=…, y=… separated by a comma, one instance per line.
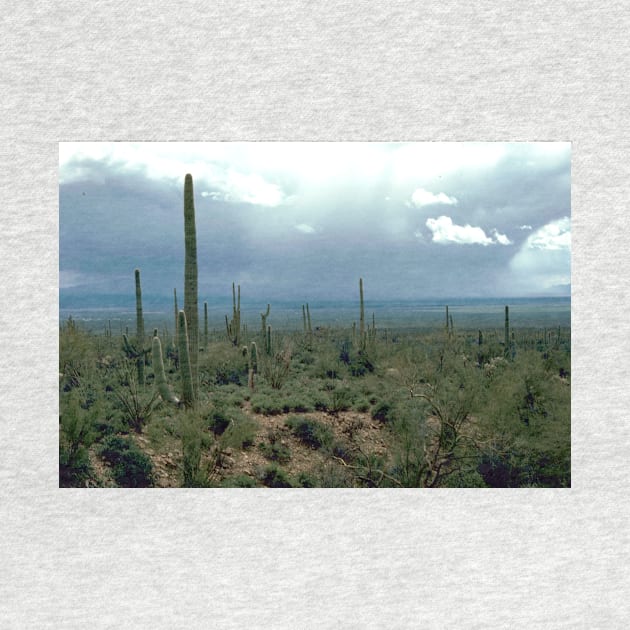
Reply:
x=306, y=220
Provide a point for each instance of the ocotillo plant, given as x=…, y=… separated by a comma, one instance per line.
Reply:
x=233, y=327
x=190, y=279
x=263, y=317
x=139, y=329
x=188, y=391
x=160, y=376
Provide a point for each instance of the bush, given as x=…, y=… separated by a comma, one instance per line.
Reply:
x=313, y=433
x=275, y=477
x=76, y=435
x=383, y=412
x=130, y=466
x=239, y=481
x=276, y=452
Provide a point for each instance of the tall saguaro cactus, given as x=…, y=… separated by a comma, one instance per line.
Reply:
x=190, y=280
x=175, y=311
x=263, y=317
x=506, y=349
x=233, y=327
x=139, y=329
x=188, y=391
x=205, y=326
x=361, y=316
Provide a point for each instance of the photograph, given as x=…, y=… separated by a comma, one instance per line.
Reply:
x=315, y=314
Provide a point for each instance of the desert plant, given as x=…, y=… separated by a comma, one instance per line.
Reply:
x=233, y=326
x=137, y=405
x=131, y=468
x=76, y=434
x=188, y=391
x=311, y=432
x=139, y=329
x=190, y=285
x=160, y=376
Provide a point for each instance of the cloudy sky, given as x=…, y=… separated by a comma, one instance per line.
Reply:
x=306, y=220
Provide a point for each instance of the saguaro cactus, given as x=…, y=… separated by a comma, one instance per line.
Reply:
x=361, y=316
x=233, y=327
x=160, y=376
x=139, y=329
x=205, y=326
x=263, y=317
x=188, y=391
x=252, y=360
x=506, y=349
x=175, y=311
x=190, y=279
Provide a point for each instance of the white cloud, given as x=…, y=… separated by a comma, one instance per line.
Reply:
x=305, y=228
x=544, y=260
x=445, y=231
x=421, y=197
x=252, y=189
x=501, y=239
x=525, y=227
x=553, y=236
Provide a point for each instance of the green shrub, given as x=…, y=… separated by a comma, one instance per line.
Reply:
x=275, y=477
x=76, y=434
x=383, y=412
x=239, y=481
x=313, y=433
x=218, y=420
x=306, y=480
x=276, y=452
x=131, y=467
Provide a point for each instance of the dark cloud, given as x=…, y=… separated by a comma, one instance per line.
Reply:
x=319, y=239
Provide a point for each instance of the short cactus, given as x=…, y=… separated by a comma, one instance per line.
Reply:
x=160, y=375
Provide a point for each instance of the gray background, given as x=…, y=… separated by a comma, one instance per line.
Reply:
x=314, y=558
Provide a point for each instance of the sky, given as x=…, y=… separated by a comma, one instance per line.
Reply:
x=307, y=220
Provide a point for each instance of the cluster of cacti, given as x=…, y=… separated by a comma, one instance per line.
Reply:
x=233, y=326
x=190, y=282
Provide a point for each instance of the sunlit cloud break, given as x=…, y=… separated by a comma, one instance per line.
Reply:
x=445, y=231
x=421, y=197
